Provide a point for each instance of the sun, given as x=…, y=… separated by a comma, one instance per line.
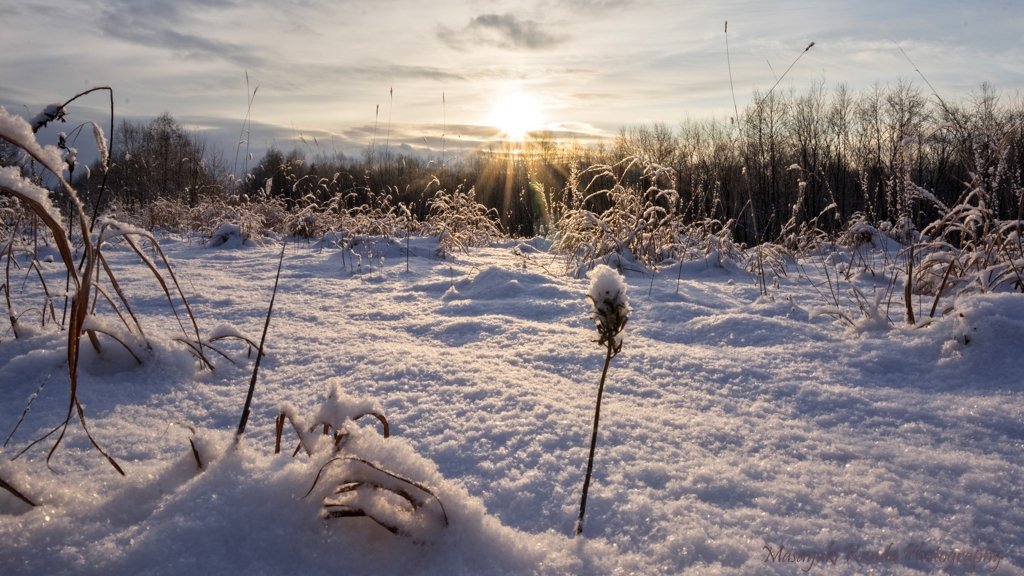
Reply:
x=515, y=115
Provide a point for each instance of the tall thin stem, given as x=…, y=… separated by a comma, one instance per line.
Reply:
x=444, y=125
x=593, y=438
x=259, y=353
x=387, y=142
x=106, y=167
x=809, y=46
x=728, y=61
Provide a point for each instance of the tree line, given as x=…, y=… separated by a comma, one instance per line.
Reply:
x=887, y=153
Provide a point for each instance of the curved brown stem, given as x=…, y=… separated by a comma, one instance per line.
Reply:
x=383, y=420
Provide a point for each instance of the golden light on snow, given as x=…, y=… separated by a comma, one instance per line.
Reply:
x=516, y=114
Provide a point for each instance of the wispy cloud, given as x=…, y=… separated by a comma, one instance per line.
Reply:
x=159, y=24
x=385, y=71
x=504, y=31
x=598, y=5
x=188, y=45
x=12, y=94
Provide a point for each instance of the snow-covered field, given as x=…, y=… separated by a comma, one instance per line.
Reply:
x=738, y=433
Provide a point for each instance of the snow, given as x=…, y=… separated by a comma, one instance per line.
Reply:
x=606, y=285
x=18, y=131
x=607, y=295
x=11, y=179
x=229, y=236
x=50, y=113
x=739, y=435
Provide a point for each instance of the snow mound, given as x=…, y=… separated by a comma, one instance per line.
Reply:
x=229, y=236
x=247, y=512
x=495, y=283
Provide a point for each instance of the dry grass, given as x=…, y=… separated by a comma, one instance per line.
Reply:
x=86, y=280
x=646, y=224
x=460, y=222
x=365, y=489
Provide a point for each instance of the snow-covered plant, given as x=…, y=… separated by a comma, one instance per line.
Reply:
x=969, y=248
x=18, y=132
x=766, y=263
x=637, y=222
x=85, y=277
x=365, y=489
x=333, y=417
x=643, y=222
x=607, y=295
x=610, y=311
x=460, y=222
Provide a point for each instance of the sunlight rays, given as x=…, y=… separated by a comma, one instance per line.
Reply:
x=516, y=114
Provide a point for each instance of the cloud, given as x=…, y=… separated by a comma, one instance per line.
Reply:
x=11, y=94
x=601, y=5
x=132, y=15
x=189, y=45
x=504, y=31
x=386, y=72
x=156, y=24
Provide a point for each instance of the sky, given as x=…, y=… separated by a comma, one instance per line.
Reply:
x=343, y=74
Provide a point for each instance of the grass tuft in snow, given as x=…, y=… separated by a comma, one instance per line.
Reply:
x=365, y=489
x=84, y=280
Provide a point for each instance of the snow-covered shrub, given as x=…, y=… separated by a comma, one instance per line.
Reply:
x=709, y=238
x=858, y=232
x=228, y=236
x=969, y=250
x=645, y=224
x=803, y=234
x=767, y=263
x=169, y=215
x=460, y=222
x=641, y=223
x=250, y=217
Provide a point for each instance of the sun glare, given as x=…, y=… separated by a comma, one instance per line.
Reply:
x=515, y=115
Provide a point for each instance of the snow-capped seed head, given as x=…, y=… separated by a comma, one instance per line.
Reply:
x=101, y=143
x=607, y=295
x=606, y=284
x=70, y=157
